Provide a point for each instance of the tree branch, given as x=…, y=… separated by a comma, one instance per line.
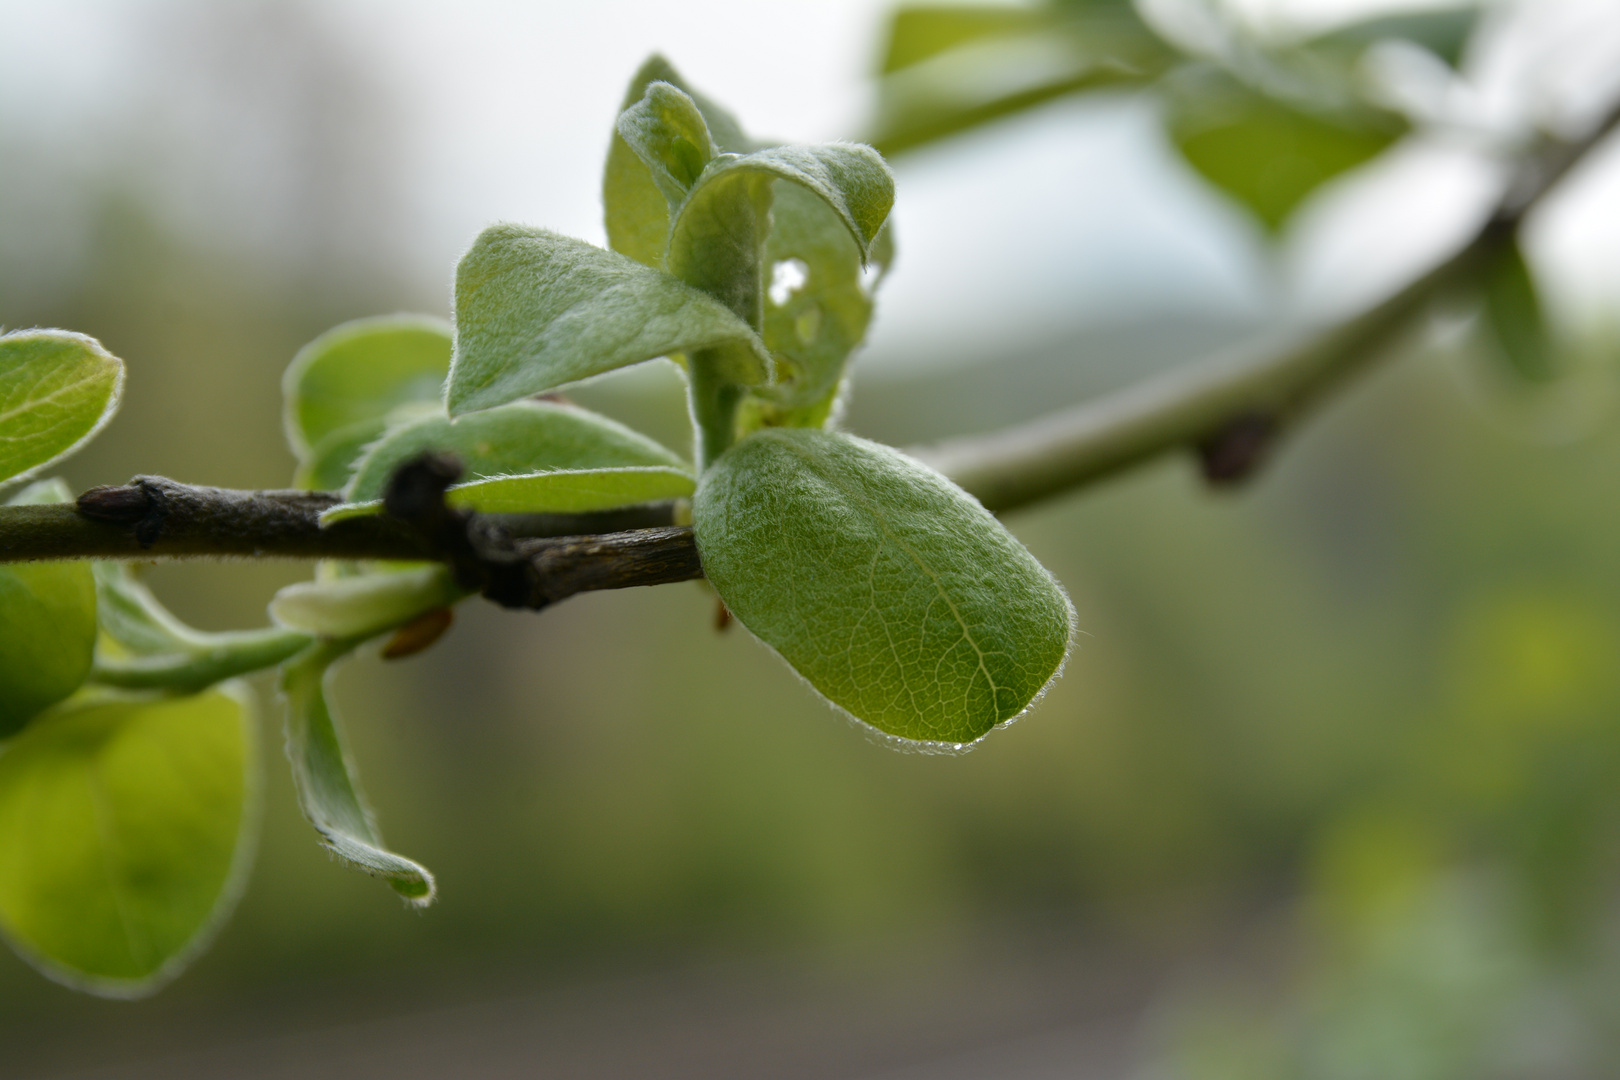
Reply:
x=1231, y=406
x=152, y=517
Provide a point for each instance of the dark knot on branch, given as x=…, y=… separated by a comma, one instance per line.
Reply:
x=502, y=558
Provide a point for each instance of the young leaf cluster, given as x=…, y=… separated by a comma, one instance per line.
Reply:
x=127, y=758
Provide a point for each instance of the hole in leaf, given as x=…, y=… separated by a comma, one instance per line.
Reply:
x=787, y=278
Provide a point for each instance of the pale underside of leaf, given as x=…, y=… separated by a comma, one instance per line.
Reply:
x=894, y=594
x=517, y=439
x=325, y=777
x=561, y=491
x=126, y=831
x=535, y=311
x=57, y=389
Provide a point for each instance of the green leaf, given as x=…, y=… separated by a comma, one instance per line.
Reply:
x=361, y=371
x=364, y=605
x=667, y=132
x=572, y=491
x=1443, y=32
x=47, y=626
x=511, y=440
x=636, y=214
x=889, y=589
x=1514, y=316
x=125, y=834
x=535, y=310
x=717, y=243
x=921, y=32
x=950, y=69
x=342, y=387
x=56, y=391
x=324, y=775
x=331, y=461
x=1267, y=154
x=817, y=305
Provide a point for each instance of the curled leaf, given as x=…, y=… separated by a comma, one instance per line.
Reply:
x=667, y=132
x=635, y=212
x=364, y=605
x=328, y=791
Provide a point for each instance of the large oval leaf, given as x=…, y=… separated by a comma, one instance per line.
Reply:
x=56, y=390
x=516, y=440
x=882, y=583
x=47, y=627
x=535, y=310
x=125, y=833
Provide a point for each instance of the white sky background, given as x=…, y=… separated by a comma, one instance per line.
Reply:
x=1074, y=213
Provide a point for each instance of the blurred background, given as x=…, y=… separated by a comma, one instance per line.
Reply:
x=1331, y=787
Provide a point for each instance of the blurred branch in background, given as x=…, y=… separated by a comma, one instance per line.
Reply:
x=1233, y=407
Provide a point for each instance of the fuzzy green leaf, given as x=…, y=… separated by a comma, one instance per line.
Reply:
x=667, y=132
x=361, y=371
x=1267, y=154
x=125, y=831
x=1514, y=316
x=535, y=310
x=511, y=440
x=890, y=590
x=47, y=626
x=717, y=243
x=568, y=491
x=327, y=789
x=56, y=391
x=817, y=305
x=636, y=214
x=331, y=461
x=364, y=605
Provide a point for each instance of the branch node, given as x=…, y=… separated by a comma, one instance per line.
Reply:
x=1237, y=449
x=142, y=503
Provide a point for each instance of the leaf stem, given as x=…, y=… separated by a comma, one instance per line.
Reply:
x=714, y=402
x=219, y=657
